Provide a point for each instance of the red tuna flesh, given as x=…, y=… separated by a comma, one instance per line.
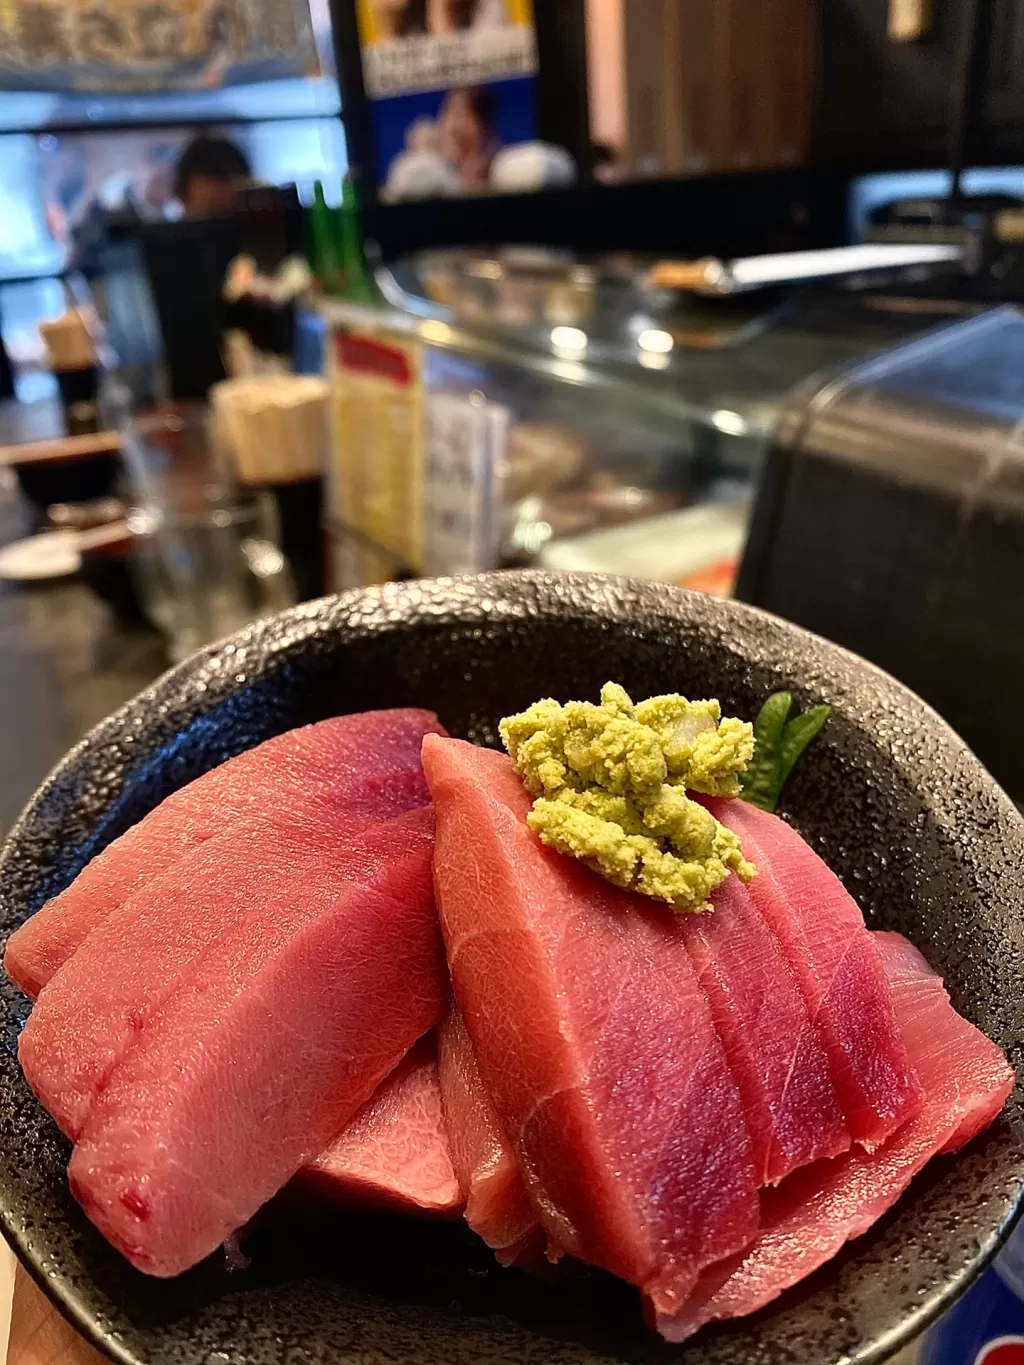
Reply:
x=773, y=1048
x=133, y=961
x=393, y=1156
x=806, y=1220
x=838, y=968
x=497, y=1207
x=595, y=1042
x=366, y=763
x=257, y=1059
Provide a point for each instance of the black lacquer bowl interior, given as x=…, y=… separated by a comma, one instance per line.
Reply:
x=918, y=831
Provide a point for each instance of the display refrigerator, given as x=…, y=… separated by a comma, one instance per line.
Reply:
x=521, y=407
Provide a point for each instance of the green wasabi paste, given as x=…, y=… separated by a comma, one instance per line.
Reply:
x=610, y=784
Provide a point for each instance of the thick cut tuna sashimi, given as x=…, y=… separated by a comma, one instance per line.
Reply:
x=838, y=968
x=367, y=763
x=773, y=1048
x=807, y=1219
x=94, y=1008
x=497, y=1206
x=393, y=1156
x=262, y=1054
x=595, y=1042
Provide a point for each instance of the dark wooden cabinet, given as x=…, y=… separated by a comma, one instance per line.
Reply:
x=881, y=102
x=1003, y=108
x=884, y=103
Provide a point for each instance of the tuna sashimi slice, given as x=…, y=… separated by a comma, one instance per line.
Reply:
x=838, y=968
x=595, y=1042
x=133, y=960
x=497, y=1206
x=367, y=762
x=259, y=1058
x=773, y=1048
x=393, y=1156
x=807, y=1219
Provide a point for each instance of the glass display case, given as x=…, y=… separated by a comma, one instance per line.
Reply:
x=890, y=519
x=525, y=408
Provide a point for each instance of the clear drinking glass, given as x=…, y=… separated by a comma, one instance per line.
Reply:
x=205, y=557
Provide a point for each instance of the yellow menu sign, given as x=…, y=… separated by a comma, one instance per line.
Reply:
x=375, y=484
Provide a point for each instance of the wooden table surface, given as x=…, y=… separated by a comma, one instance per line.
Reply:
x=31, y=1329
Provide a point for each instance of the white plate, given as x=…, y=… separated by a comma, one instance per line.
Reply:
x=54, y=554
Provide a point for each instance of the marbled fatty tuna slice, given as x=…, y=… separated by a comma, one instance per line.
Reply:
x=261, y=1057
x=497, y=1206
x=595, y=1043
x=837, y=965
x=368, y=761
x=809, y=1217
x=792, y=1111
x=393, y=1156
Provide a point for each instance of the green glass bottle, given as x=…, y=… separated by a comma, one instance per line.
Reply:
x=324, y=256
x=359, y=285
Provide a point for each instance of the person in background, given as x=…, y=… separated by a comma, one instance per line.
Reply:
x=210, y=171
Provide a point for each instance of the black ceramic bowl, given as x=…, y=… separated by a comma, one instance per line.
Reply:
x=919, y=832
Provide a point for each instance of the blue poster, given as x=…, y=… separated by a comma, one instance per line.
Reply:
x=452, y=85
x=443, y=142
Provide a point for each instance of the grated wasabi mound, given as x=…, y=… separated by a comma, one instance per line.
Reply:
x=610, y=784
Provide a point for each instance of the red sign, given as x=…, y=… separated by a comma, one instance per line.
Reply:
x=373, y=357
